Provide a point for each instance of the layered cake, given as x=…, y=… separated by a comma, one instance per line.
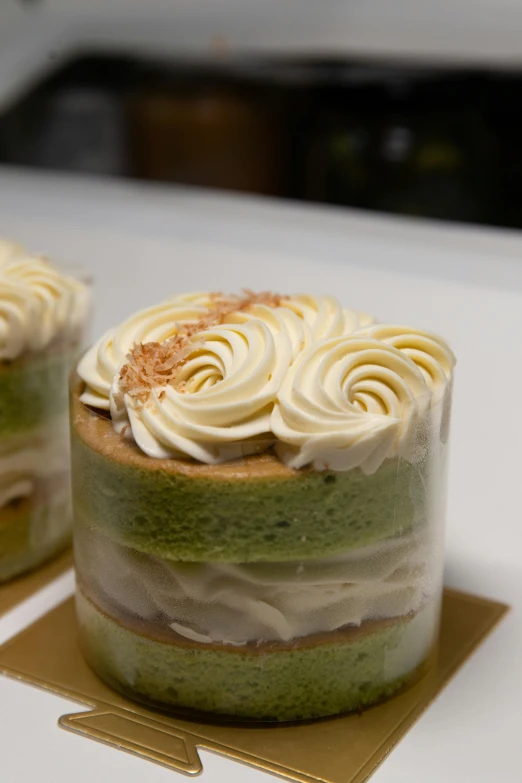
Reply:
x=42, y=317
x=258, y=485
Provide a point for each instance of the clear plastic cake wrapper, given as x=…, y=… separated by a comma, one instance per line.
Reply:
x=35, y=496
x=247, y=589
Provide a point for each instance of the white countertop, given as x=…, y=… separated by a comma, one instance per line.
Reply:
x=143, y=242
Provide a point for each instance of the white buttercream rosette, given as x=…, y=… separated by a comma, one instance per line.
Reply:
x=325, y=317
x=348, y=402
x=18, y=321
x=435, y=360
x=103, y=360
x=306, y=319
x=38, y=303
x=282, y=322
x=330, y=387
x=220, y=405
x=431, y=353
x=301, y=318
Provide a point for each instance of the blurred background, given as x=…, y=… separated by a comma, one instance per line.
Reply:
x=402, y=107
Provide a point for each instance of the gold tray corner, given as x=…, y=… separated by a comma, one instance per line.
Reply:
x=345, y=749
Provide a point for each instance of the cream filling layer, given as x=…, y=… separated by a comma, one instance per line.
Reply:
x=236, y=603
x=29, y=459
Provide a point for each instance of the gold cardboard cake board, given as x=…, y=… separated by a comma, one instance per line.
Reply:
x=346, y=749
x=20, y=588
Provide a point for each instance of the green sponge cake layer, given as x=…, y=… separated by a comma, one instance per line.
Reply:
x=252, y=510
x=32, y=390
x=308, y=678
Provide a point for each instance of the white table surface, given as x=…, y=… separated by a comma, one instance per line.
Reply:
x=142, y=243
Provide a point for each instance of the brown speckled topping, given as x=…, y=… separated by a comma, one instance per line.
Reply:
x=154, y=365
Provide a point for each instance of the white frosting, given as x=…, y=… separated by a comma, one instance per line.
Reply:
x=431, y=353
x=302, y=319
x=325, y=316
x=230, y=380
x=349, y=393
x=348, y=402
x=38, y=303
x=234, y=604
x=283, y=323
x=224, y=415
x=315, y=317
x=102, y=362
x=307, y=319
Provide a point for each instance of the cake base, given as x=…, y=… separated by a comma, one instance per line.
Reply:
x=314, y=678
x=346, y=749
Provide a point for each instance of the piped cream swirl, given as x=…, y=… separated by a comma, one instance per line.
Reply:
x=38, y=303
x=301, y=318
x=431, y=353
x=283, y=323
x=331, y=388
x=221, y=402
x=102, y=362
x=349, y=402
x=308, y=318
x=325, y=317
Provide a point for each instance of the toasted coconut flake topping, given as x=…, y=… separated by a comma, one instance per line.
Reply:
x=155, y=365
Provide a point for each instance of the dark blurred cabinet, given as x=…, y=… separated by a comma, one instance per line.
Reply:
x=218, y=137
x=408, y=146
x=415, y=141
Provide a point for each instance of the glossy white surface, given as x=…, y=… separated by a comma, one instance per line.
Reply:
x=464, y=284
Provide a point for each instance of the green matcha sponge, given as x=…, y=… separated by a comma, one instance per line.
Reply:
x=269, y=685
x=32, y=391
x=305, y=516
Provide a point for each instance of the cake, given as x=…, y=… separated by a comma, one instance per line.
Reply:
x=42, y=316
x=258, y=487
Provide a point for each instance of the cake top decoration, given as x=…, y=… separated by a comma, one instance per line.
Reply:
x=214, y=377
x=39, y=304
x=153, y=365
